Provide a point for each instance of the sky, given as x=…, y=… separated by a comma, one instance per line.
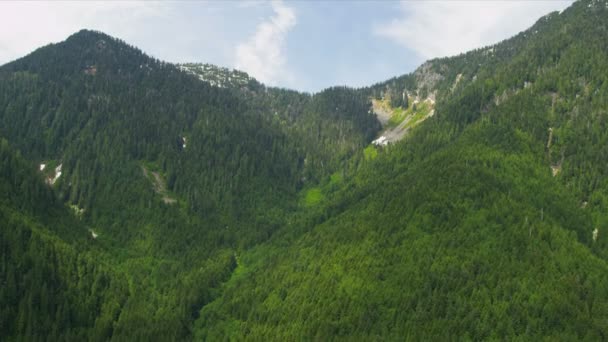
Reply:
x=303, y=45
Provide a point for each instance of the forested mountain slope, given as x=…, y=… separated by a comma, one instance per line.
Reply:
x=171, y=175
x=53, y=281
x=104, y=110
x=485, y=222
x=172, y=207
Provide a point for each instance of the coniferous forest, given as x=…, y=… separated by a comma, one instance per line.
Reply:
x=141, y=201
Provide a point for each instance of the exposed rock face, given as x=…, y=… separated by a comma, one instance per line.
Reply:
x=427, y=77
x=159, y=185
x=382, y=112
x=216, y=76
x=392, y=134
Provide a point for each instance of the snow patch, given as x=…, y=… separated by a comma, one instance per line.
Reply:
x=382, y=141
x=42, y=166
x=184, y=142
x=595, y=233
x=93, y=234
x=52, y=181
x=57, y=173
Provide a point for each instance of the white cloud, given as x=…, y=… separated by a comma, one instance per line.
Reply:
x=250, y=3
x=25, y=26
x=436, y=29
x=263, y=55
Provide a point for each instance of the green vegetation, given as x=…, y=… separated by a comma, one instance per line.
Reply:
x=399, y=114
x=289, y=224
x=413, y=114
x=461, y=230
x=370, y=152
x=313, y=196
x=118, y=133
x=337, y=178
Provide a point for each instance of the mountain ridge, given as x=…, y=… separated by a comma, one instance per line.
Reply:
x=288, y=223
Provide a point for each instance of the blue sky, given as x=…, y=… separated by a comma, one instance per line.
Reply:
x=304, y=45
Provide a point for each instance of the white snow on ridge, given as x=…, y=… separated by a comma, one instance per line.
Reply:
x=216, y=76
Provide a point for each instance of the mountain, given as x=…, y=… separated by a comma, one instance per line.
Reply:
x=217, y=76
x=146, y=200
x=163, y=169
x=485, y=222
x=92, y=103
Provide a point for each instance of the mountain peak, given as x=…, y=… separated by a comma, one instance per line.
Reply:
x=89, y=34
x=85, y=51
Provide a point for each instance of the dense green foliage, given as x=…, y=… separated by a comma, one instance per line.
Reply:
x=462, y=229
x=186, y=210
x=171, y=174
x=239, y=161
x=465, y=245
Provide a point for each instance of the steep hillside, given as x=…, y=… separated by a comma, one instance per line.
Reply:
x=50, y=273
x=93, y=103
x=464, y=229
x=477, y=241
x=169, y=174
x=150, y=202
